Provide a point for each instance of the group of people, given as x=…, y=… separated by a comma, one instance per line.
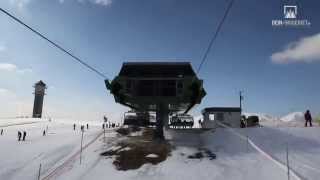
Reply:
x=81, y=127
x=22, y=135
x=104, y=125
x=181, y=124
x=110, y=125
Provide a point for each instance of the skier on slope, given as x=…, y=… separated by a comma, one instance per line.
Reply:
x=24, y=135
x=308, y=118
x=19, y=135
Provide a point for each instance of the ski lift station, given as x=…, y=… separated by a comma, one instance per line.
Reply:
x=161, y=87
x=213, y=116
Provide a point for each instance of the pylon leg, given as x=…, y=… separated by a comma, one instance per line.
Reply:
x=162, y=116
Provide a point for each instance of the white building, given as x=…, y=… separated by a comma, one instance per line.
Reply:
x=229, y=116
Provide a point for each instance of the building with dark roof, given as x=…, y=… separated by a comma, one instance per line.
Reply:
x=157, y=69
x=213, y=117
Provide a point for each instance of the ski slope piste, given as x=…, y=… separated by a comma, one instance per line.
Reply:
x=244, y=154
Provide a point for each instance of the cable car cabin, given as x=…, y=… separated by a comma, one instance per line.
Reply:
x=144, y=85
x=181, y=121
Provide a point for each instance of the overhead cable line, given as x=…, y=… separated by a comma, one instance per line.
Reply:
x=54, y=44
x=215, y=35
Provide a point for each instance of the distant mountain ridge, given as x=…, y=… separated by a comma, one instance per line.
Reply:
x=293, y=119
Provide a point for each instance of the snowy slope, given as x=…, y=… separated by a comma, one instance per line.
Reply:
x=236, y=159
x=17, y=121
x=262, y=156
x=21, y=160
x=303, y=145
x=265, y=119
x=295, y=116
x=294, y=119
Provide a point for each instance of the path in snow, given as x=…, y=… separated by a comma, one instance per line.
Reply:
x=248, y=140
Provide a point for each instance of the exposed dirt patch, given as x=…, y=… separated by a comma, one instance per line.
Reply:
x=197, y=155
x=133, y=152
x=128, y=130
x=203, y=153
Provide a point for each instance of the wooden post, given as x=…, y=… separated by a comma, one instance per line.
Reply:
x=104, y=134
x=39, y=173
x=241, y=99
x=81, y=146
x=288, y=167
x=247, y=143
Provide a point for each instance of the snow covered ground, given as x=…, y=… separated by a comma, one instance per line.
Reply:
x=236, y=159
x=294, y=119
x=21, y=160
x=17, y=121
x=260, y=156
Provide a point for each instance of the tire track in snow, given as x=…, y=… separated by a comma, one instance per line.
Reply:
x=304, y=164
x=265, y=154
x=58, y=170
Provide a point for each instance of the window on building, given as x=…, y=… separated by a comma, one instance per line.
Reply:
x=211, y=117
x=220, y=116
x=179, y=87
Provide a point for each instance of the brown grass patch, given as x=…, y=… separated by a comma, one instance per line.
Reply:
x=133, y=151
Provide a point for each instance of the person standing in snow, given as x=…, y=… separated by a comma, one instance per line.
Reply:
x=308, y=118
x=74, y=127
x=24, y=135
x=44, y=133
x=19, y=135
x=1, y=132
x=87, y=126
x=199, y=122
x=102, y=126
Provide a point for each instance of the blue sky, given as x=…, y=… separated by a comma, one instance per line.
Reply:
x=276, y=67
